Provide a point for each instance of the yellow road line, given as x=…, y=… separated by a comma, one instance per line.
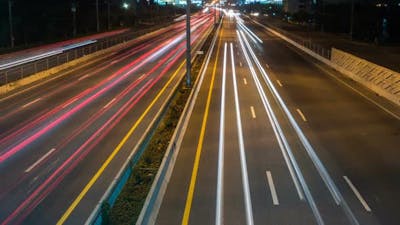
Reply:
x=115, y=151
x=189, y=199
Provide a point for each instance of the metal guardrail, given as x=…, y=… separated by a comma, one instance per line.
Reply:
x=305, y=42
x=24, y=70
x=320, y=50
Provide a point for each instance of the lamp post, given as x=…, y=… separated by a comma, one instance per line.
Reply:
x=97, y=16
x=215, y=14
x=352, y=20
x=108, y=15
x=188, y=55
x=11, y=23
x=73, y=10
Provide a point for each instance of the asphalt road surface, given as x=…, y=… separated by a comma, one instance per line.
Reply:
x=277, y=138
x=62, y=141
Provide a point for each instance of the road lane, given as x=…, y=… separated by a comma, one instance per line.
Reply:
x=84, y=140
x=351, y=135
x=203, y=208
x=312, y=105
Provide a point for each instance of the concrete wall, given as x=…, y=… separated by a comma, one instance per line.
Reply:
x=381, y=80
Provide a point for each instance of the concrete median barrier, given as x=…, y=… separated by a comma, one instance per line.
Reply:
x=381, y=80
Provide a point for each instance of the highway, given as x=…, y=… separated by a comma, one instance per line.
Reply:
x=278, y=138
x=63, y=140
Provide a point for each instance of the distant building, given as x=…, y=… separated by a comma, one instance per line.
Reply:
x=264, y=1
x=293, y=6
x=178, y=2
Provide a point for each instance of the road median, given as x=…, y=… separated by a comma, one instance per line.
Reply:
x=124, y=200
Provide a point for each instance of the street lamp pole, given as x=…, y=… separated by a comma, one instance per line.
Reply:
x=108, y=15
x=97, y=16
x=215, y=13
x=352, y=20
x=11, y=23
x=188, y=55
x=73, y=10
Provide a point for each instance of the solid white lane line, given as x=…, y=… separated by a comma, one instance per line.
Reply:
x=245, y=178
x=245, y=81
x=83, y=77
x=280, y=137
x=30, y=103
x=40, y=160
x=220, y=176
x=69, y=103
x=301, y=115
x=253, y=113
x=275, y=200
x=358, y=195
x=279, y=83
x=252, y=35
x=109, y=103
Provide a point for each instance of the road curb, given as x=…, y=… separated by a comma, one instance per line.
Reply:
x=153, y=201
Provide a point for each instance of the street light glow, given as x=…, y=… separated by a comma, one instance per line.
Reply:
x=125, y=5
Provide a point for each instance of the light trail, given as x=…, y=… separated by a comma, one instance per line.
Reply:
x=47, y=113
x=117, y=78
x=250, y=33
x=336, y=195
x=36, y=197
x=283, y=144
x=219, y=217
x=242, y=153
x=87, y=123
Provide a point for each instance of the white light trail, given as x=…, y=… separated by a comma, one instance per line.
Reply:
x=243, y=163
x=220, y=176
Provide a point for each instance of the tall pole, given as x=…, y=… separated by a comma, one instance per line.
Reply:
x=73, y=10
x=108, y=15
x=352, y=20
x=215, y=14
x=97, y=16
x=11, y=23
x=188, y=55
x=322, y=16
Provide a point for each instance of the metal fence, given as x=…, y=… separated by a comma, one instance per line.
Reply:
x=306, y=42
x=319, y=49
x=27, y=69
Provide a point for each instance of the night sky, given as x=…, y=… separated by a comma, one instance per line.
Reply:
x=48, y=20
x=45, y=20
